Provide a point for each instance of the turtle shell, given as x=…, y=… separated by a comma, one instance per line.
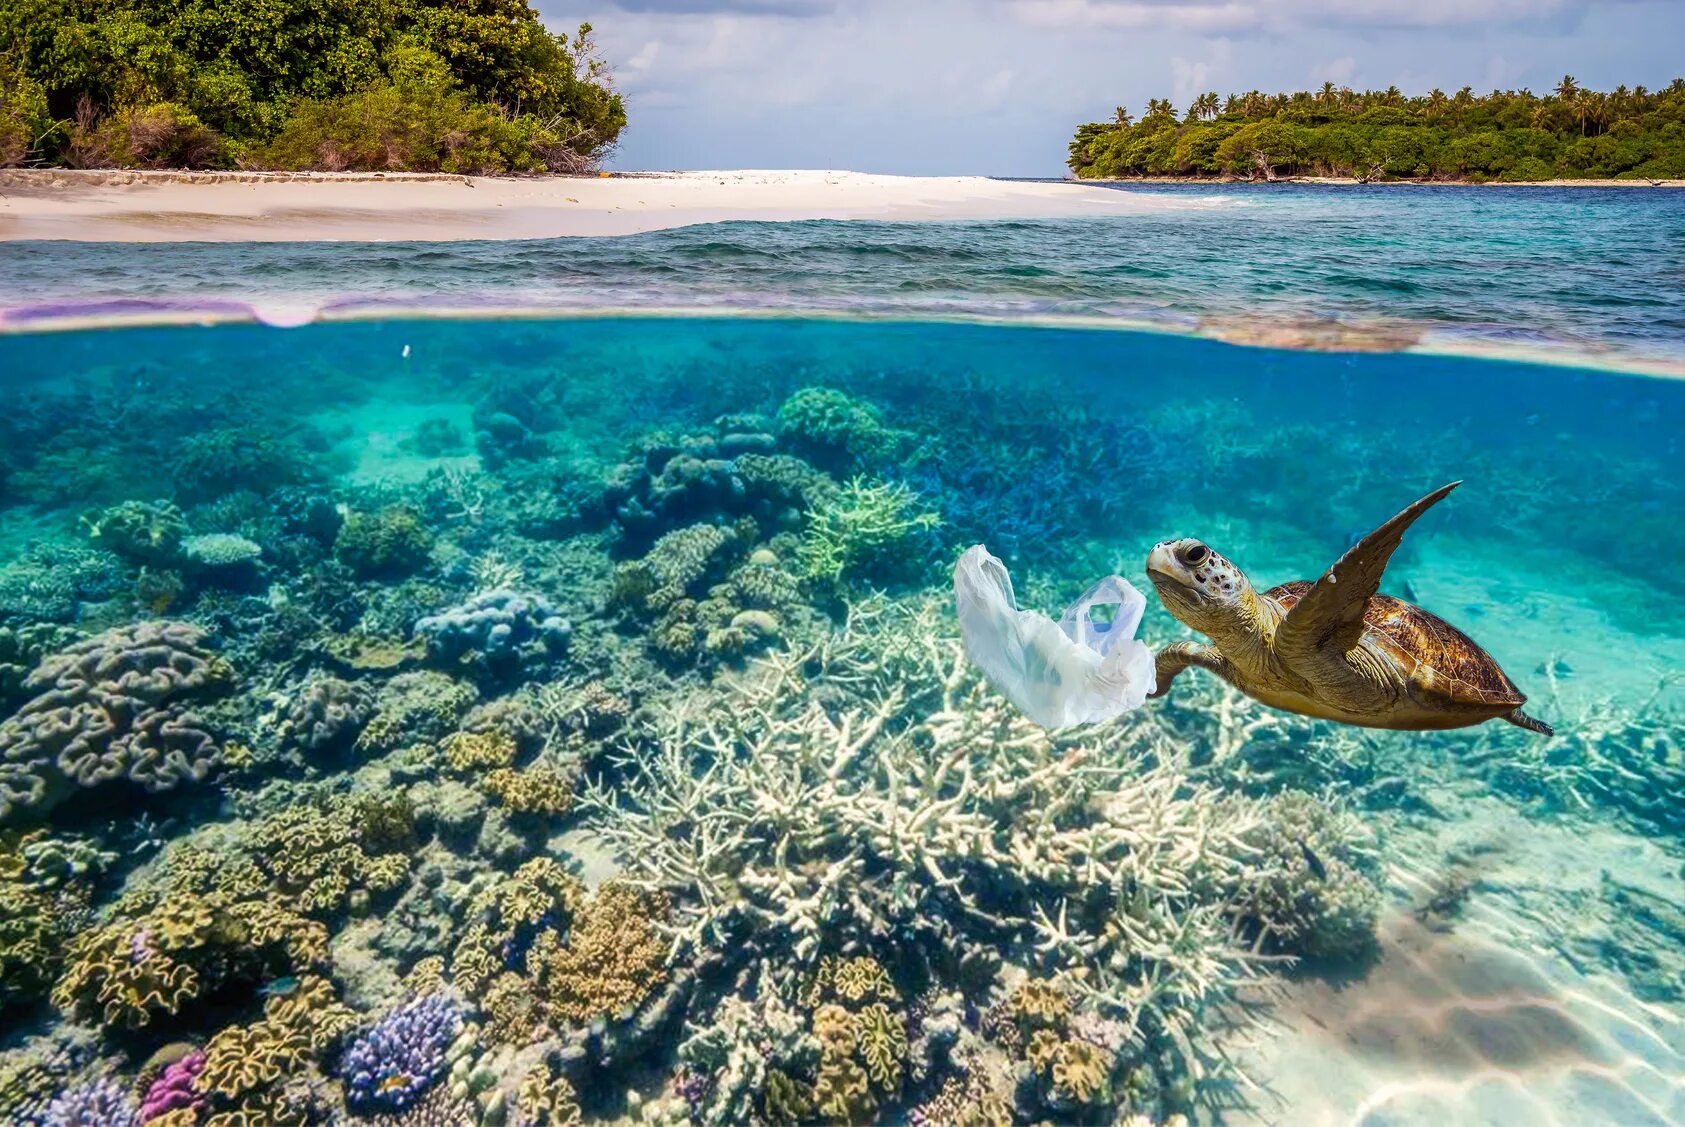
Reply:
x=1429, y=652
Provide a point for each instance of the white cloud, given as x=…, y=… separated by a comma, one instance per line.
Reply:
x=1284, y=15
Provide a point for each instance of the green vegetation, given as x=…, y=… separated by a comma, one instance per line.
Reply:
x=1513, y=135
x=470, y=86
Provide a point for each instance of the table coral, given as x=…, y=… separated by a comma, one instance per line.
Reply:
x=115, y=707
x=391, y=1065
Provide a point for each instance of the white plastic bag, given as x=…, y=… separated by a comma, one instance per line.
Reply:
x=1075, y=671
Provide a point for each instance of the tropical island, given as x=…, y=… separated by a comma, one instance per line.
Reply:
x=1509, y=136
x=463, y=86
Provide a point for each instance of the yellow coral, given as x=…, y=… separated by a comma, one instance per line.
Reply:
x=242, y=1060
x=134, y=968
x=613, y=959
x=546, y=1099
x=538, y=896
x=1080, y=1072
x=1038, y=1004
x=842, y=1092
x=881, y=1039
x=542, y=789
x=472, y=752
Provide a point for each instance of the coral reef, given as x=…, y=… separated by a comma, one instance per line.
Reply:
x=115, y=707
x=390, y=542
x=391, y=1065
x=834, y=430
x=327, y=716
x=173, y=1090
x=97, y=1103
x=495, y=631
x=142, y=532
x=1305, y=892
x=869, y=531
x=246, y=1069
x=134, y=969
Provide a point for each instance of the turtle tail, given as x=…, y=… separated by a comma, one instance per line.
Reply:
x=1521, y=720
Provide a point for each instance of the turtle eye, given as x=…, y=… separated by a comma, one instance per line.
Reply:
x=1196, y=555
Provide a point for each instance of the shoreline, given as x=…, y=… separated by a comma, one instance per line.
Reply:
x=165, y=206
x=1353, y=182
x=1265, y=334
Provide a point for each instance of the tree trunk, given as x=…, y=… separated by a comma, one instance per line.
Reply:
x=1263, y=164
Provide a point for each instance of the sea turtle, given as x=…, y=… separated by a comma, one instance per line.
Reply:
x=1334, y=648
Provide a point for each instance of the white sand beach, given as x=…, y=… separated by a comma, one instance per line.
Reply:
x=176, y=206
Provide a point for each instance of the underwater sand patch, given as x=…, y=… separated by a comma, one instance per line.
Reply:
x=1311, y=334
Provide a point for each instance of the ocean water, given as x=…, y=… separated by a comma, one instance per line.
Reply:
x=494, y=719
x=1560, y=272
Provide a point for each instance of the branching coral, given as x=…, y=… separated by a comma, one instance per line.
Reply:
x=614, y=955
x=96, y=1103
x=910, y=795
x=1305, y=892
x=113, y=707
x=391, y=1065
x=870, y=532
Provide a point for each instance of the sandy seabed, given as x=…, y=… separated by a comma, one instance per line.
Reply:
x=180, y=206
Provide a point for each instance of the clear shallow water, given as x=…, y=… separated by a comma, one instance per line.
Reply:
x=1587, y=272
x=1528, y=962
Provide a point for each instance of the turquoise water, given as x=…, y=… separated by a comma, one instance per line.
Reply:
x=1574, y=272
x=485, y=720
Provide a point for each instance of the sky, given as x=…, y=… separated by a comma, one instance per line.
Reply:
x=998, y=86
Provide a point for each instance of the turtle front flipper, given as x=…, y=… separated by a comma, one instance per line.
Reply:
x=1172, y=659
x=1329, y=617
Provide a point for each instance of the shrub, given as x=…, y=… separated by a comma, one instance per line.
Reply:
x=161, y=135
x=24, y=117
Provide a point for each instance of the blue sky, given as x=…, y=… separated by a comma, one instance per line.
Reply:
x=996, y=86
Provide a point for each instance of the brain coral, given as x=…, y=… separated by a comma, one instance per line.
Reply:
x=112, y=707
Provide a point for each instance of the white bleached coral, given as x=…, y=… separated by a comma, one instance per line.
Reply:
x=906, y=793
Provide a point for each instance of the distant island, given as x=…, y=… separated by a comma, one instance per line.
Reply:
x=1512, y=136
x=463, y=86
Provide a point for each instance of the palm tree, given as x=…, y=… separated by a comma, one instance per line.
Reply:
x=1392, y=96
x=1567, y=88
x=1326, y=94
x=1121, y=116
x=1436, y=102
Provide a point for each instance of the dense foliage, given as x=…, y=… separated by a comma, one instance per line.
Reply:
x=446, y=85
x=1571, y=133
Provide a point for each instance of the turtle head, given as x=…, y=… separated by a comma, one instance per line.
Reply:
x=1199, y=586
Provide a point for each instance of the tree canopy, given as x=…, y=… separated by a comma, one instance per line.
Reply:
x=1509, y=135
x=453, y=85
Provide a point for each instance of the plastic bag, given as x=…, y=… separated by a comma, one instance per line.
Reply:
x=1075, y=671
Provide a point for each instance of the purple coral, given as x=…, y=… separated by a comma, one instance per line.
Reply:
x=174, y=1088
x=390, y=1066
x=95, y=1103
x=112, y=707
